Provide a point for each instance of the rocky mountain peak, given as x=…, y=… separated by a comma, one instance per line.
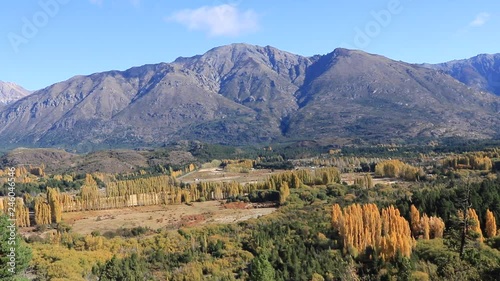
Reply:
x=11, y=92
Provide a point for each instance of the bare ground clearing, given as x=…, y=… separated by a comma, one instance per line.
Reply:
x=217, y=174
x=154, y=217
x=349, y=179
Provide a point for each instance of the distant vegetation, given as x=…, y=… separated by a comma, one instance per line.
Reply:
x=418, y=216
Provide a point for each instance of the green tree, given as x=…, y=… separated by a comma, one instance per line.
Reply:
x=14, y=255
x=284, y=192
x=404, y=267
x=55, y=204
x=261, y=269
x=109, y=271
x=128, y=269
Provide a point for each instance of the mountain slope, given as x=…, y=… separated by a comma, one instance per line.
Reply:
x=142, y=105
x=260, y=78
x=10, y=92
x=482, y=71
x=352, y=94
x=244, y=94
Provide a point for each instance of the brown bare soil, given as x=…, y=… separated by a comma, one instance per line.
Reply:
x=155, y=217
x=237, y=205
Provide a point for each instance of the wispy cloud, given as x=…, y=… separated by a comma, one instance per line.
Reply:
x=221, y=20
x=480, y=20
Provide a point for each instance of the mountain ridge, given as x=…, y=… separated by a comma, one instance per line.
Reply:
x=10, y=92
x=247, y=94
x=481, y=71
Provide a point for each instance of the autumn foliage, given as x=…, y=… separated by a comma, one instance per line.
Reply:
x=491, y=225
x=473, y=222
x=164, y=189
x=363, y=226
x=18, y=208
x=22, y=213
x=424, y=226
x=55, y=204
x=398, y=169
x=366, y=181
x=415, y=221
x=474, y=161
x=475, y=226
x=42, y=211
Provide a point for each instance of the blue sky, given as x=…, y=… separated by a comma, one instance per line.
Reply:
x=47, y=41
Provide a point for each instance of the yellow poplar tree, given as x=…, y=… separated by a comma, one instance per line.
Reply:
x=372, y=224
x=415, y=221
x=436, y=226
x=475, y=226
x=337, y=217
x=368, y=181
x=284, y=192
x=424, y=224
x=22, y=213
x=363, y=226
x=55, y=204
x=396, y=234
x=3, y=204
x=490, y=224
x=42, y=211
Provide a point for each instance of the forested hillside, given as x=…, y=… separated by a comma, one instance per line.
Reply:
x=420, y=217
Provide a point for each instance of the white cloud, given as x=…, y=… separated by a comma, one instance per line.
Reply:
x=222, y=20
x=480, y=19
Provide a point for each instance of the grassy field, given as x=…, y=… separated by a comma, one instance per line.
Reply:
x=168, y=217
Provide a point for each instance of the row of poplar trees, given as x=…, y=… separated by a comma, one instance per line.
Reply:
x=166, y=190
x=388, y=233
x=474, y=161
x=15, y=209
x=363, y=226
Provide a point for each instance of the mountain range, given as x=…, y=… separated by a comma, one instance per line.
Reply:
x=482, y=71
x=10, y=92
x=244, y=94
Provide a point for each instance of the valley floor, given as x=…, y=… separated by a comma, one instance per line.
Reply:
x=168, y=217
